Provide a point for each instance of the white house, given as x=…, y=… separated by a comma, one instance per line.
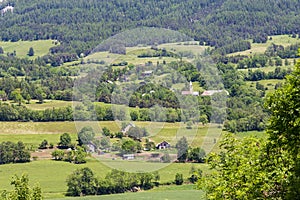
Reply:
x=7, y=9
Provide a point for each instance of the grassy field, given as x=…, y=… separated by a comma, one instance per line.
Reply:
x=284, y=40
x=32, y=133
x=48, y=104
x=270, y=84
x=133, y=52
x=160, y=193
x=40, y=47
x=266, y=69
x=52, y=175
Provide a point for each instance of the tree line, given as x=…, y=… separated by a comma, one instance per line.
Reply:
x=215, y=23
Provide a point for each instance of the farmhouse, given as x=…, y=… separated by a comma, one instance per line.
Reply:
x=128, y=157
x=191, y=91
x=163, y=145
x=212, y=92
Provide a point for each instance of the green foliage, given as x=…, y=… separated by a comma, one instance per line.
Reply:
x=196, y=155
x=166, y=158
x=284, y=129
x=105, y=143
x=85, y=135
x=65, y=141
x=178, y=179
x=137, y=133
x=243, y=170
x=130, y=146
x=22, y=190
x=106, y=131
x=81, y=182
x=149, y=145
x=17, y=97
x=196, y=174
x=222, y=19
x=182, y=149
x=13, y=153
x=119, y=135
x=144, y=98
x=58, y=154
x=44, y=144
x=77, y=156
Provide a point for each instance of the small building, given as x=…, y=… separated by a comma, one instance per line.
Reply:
x=163, y=145
x=126, y=129
x=128, y=157
x=147, y=73
x=212, y=92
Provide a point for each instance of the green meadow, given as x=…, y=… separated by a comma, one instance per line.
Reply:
x=51, y=175
x=40, y=47
x=161, y=193
x=284, y=40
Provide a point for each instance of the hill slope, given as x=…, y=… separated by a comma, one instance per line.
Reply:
x=80, y=25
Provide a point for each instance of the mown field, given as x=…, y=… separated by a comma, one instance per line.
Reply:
x=284, y=40
x=40, y=47
x=161, y=193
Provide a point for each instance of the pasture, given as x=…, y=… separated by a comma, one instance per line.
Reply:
x=52, y=175
x=260, y=48
x=133, y=52
x=40, y=47
x=269, y=84
x=161, y=193
x=32, y=133
x=48, y=104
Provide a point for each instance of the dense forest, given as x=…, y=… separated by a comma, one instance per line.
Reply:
x=81, y=25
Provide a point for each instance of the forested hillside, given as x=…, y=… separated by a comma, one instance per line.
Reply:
x=82, y=24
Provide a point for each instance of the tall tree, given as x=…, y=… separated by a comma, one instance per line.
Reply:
x=182, y=149
x=86, y=135
x=82, y=182
x=65, y=141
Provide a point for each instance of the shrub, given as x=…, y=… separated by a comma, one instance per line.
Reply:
x=178, y=179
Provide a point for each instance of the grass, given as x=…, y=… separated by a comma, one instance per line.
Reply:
x=133, y=52
x=52, y=175
x=284, y=40
x=32, y=133
x=175, y=194
x=41, y=47
x=266, y=69
x=269, y=84
x=130, y=57
x=182, y=47
x=48, y=104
